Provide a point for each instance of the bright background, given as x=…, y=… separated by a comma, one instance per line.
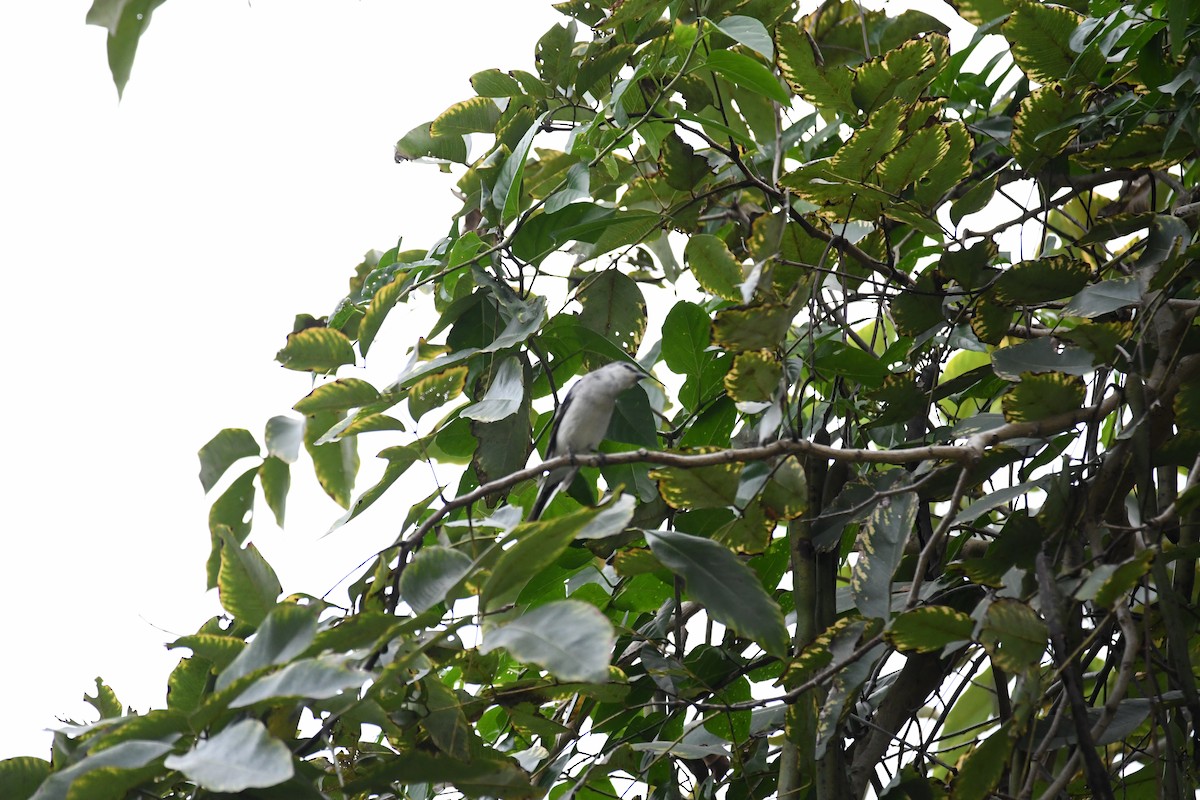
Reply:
x=152, y=256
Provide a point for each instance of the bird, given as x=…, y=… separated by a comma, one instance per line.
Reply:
x=581, y=422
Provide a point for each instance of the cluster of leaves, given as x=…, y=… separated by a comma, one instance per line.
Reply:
x=918, y=514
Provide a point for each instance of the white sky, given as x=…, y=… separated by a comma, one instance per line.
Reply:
x=152, y=255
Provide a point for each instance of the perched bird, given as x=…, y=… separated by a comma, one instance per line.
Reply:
x=581, y=422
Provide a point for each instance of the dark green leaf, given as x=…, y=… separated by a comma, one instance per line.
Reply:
x=726, y=587
x=246, y=583
x=222, y=451
x=742, y=70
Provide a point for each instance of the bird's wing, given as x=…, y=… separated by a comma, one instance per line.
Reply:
x=552, y=445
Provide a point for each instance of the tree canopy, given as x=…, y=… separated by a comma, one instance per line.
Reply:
x=912, y=513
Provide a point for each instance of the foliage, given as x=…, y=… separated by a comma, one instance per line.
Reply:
x=915, y=515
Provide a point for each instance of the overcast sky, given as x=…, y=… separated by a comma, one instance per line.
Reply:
x=152, y=256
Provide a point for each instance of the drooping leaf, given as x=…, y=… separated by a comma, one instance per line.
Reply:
x=614, y=307
x=572, y=640
x=247, y=585
x=433, y=572
x=715, y=268
x=980, y=770
x=283, y=634
x=827, y=89
x=242, y=756
x=881, y=540
x=754, y=376
x=1013, y=635
x=504, y=394
x=435, y=390
x=335, y=463
x=222, y=451
x=726, y=587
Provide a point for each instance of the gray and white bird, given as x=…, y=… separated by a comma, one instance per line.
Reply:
x=581, y=422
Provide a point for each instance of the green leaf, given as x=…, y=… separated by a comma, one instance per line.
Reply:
x=1040, y=355
x=421, y=143
x=494, y=83
x=275, y=477
x=315, y=678
x=340, y=395
x=246, y=583
x=901, y=73
x=188, y=683
x=381, y=303
x=880, y=543
x=754, y=376
x=242, y=756
x=504, y=394
x=444, y=719
x=760, y=326
x=1041, y=396
x=434, y=391
x=750, y=32
x=479, y=776
x=506, y=195
x=680, y=165
x=869, y=145
x=700, y=487
x=316, y=350
x=21, y=776
x=613, y=306
x=716, y=269
x=222, y=451
x=727, y=588
x=105, y=701
x=336, y=463
x=126, y=21
x=399, y=459
x=234, y=509
x=572, y=640
x=1014, y=636
x=1040, y=41
x=477, y=115
x=59, y=785
x=537, y=546
x=285, y=633
x=685, y=338
x=827, y=89
x=929, y=629
x=1103, y=297
x=742, y=70
x=980, y=770
x=1041, y=280
x=920, y=152
x=1038, y=133
x=431, y=575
